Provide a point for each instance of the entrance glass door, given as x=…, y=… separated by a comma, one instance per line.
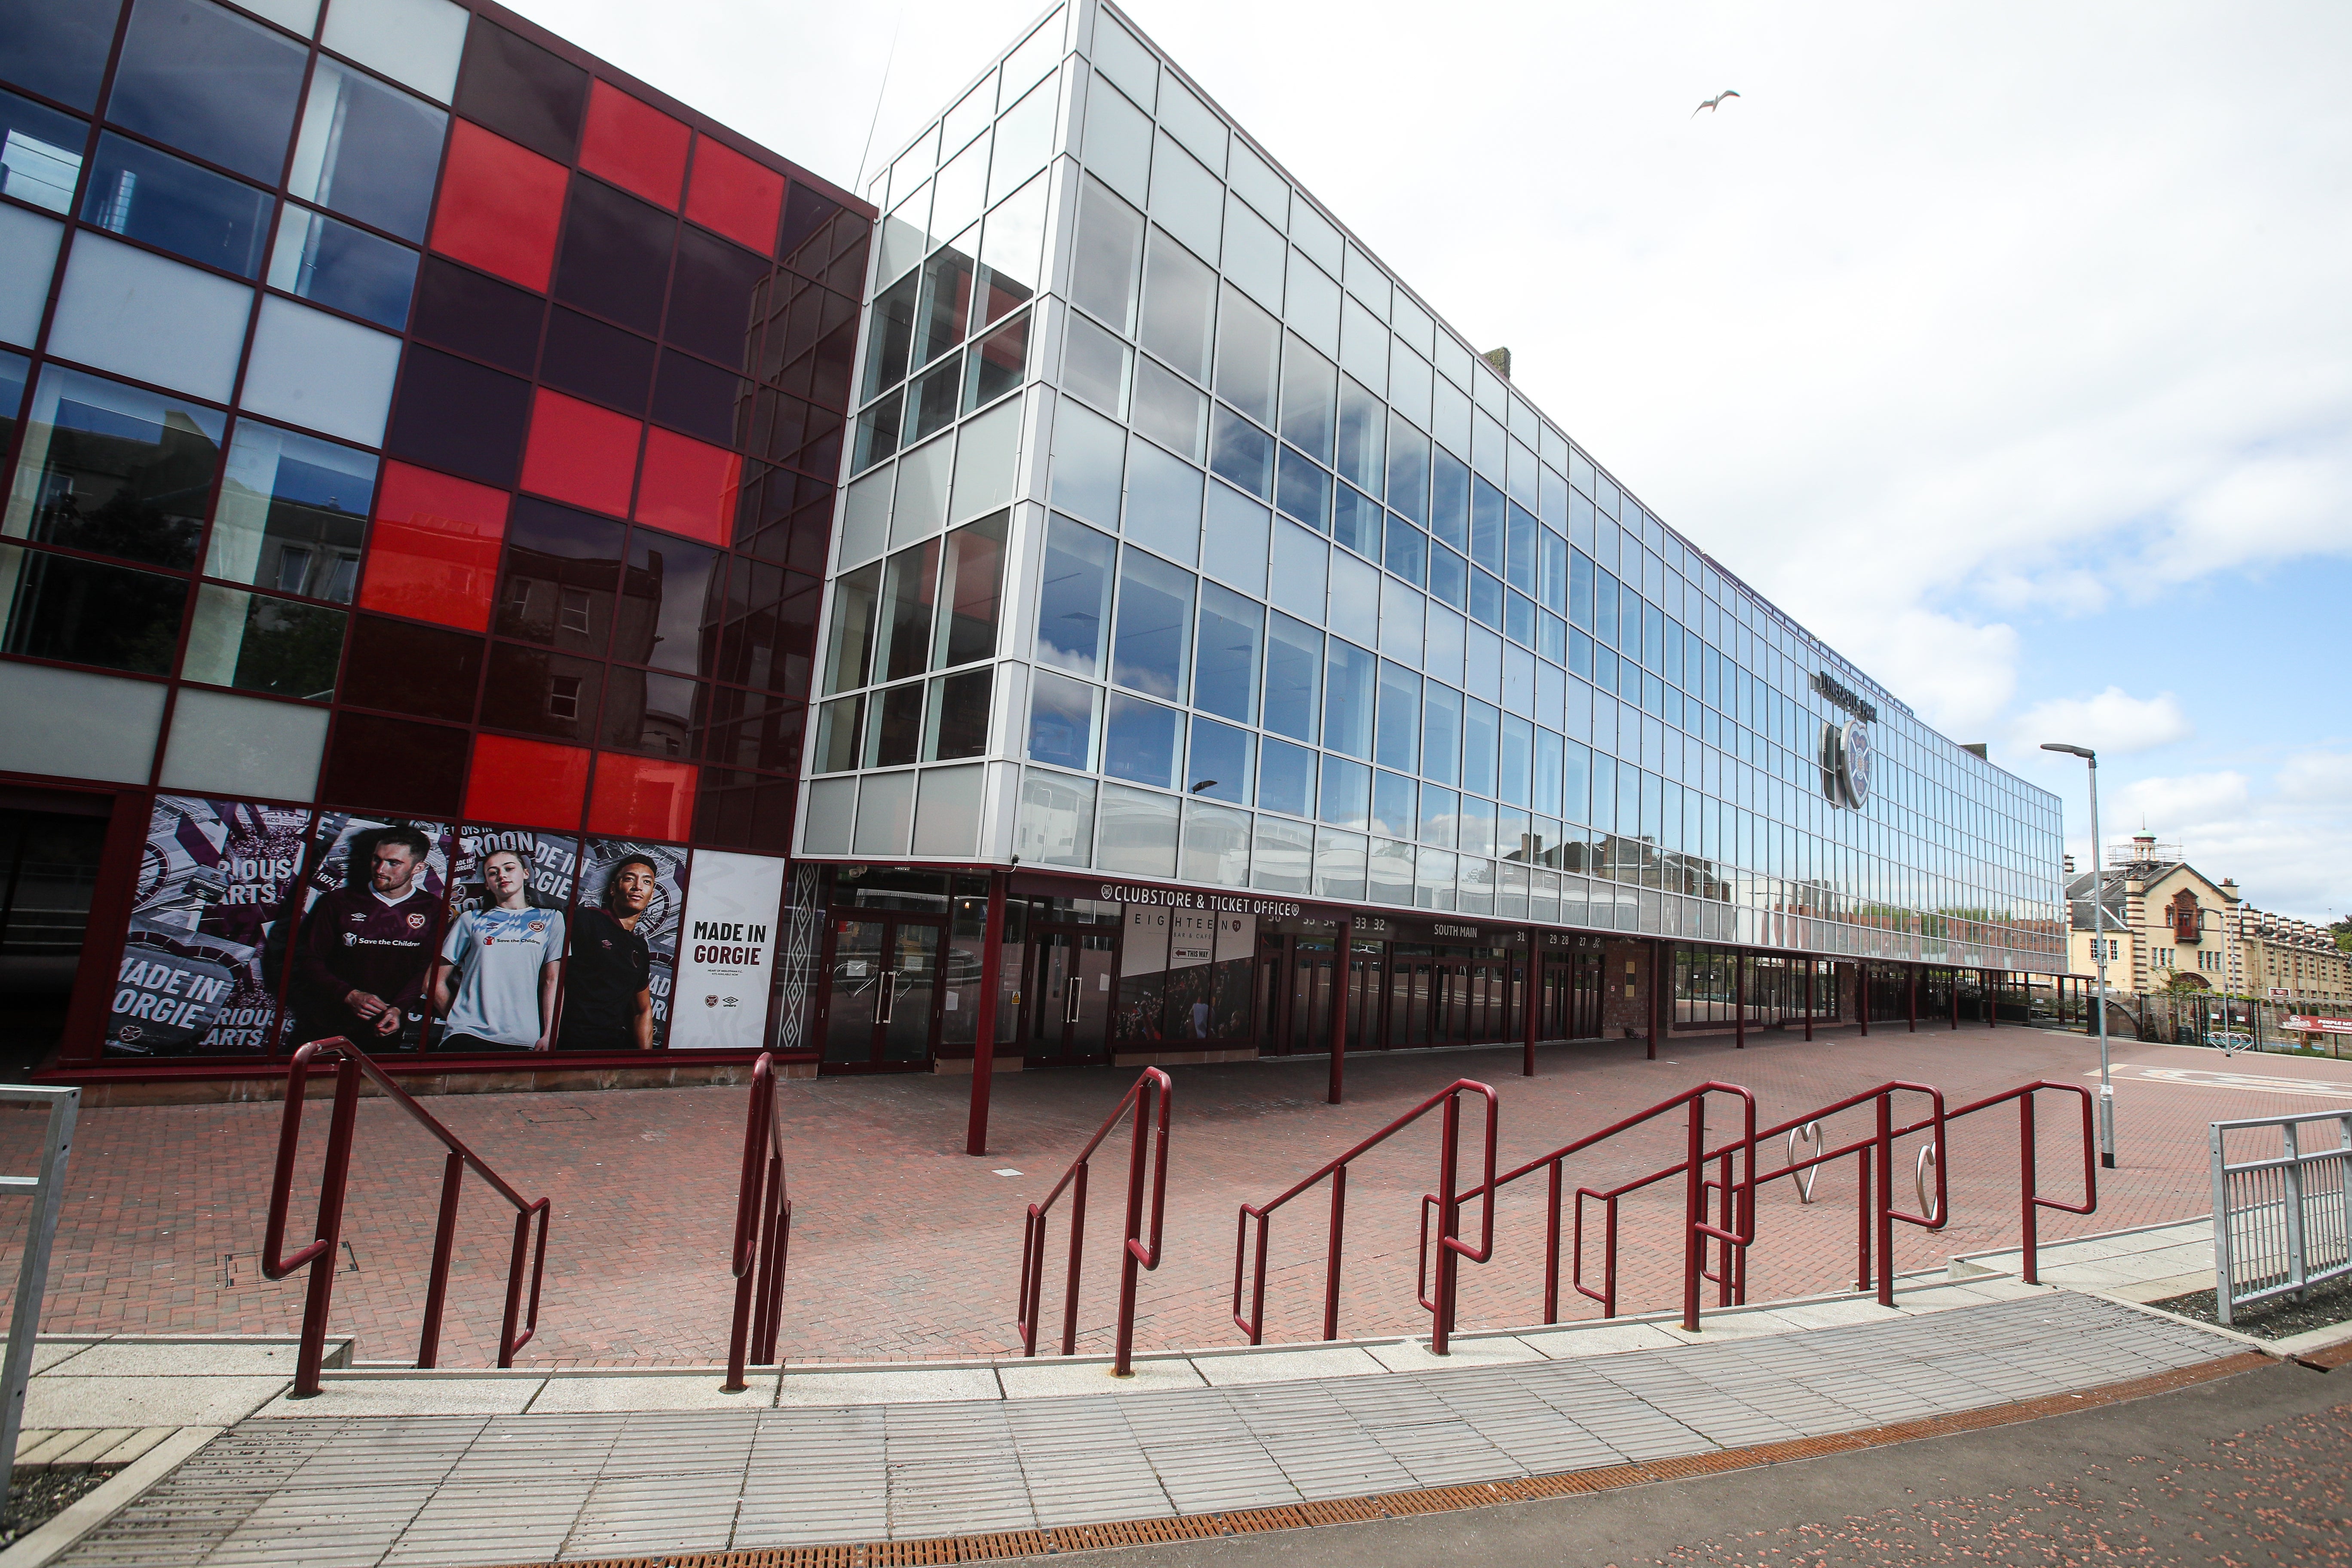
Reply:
x=1068, y=1019
x=883, y=1002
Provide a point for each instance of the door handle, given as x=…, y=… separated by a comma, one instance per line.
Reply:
x=1070, y=1011
x=884, y=1004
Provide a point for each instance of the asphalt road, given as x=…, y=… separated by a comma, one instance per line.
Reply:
x=2246, y=1471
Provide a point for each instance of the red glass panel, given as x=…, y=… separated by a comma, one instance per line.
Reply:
x=579, y=452
x=735, y=196
x=688, y=487
x=634, y=146
x=501, y=206
x=434, y=553
x=642, y=797
x=530, y=784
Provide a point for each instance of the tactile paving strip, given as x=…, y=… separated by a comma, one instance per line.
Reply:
x=956, y=1549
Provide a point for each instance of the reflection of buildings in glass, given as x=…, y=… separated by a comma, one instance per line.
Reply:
x=121, y=485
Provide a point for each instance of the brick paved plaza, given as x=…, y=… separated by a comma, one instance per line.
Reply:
x=904, y=1247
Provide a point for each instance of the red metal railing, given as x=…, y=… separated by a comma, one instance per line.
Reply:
x=1451, y=1248
x=1873, y=1154
x=351, y=1064
x=764, y=1231
x=1735, y=1231
x=1148, y=1099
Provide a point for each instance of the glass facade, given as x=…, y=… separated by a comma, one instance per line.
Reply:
x=1301, y=597
x=414, y=428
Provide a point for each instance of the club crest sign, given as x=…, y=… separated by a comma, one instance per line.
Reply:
x=1848, y=756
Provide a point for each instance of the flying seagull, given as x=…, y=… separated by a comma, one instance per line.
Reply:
x=1715, y=102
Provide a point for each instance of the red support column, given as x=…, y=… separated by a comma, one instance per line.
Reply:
x=1956, y=998
x=1914, y=970
x=1531, y=1002
x=1991, y=1002
x=1813, y=973
x=1738, y=1001
x=1862, y=992
x=1341, y=953
x=983, y=1042
x=1657, y=953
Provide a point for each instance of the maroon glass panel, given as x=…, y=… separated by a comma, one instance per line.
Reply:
x=539, y=692
x=603, y=363
x=698, y=398
x=667, y=613
x=521, y=91
x=810, y=342
x=713, y=297
x=651, y=714
x=615, y=259
x=562, y=574
x=477, y=316
x=393, y=765
x=455, y=415
x=722, y=808
x=429, y=671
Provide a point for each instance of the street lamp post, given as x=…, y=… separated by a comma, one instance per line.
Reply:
x=2098, y=954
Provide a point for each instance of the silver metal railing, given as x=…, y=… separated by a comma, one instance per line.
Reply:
x=47, y=1192
x=2282, y=1222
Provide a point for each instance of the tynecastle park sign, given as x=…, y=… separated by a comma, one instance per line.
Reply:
x=1845, y=696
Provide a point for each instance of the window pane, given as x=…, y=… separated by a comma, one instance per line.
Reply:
x=1244, y=453
x=1155, y=621
x=1225, y=673
x=1407, y=550
x=616, y=255
x=1286, y=778
x=957, y=724
x=85, y=613
x=944, y=311
x=1011, y=241
x=1169, y=411
x=1363, y=429
x=110, y=469
x=1398, y=743
x=839, y=724
x=1356, y=520
x=561, y=578
x=1096, y=366
x=1449, y=505
x=894, y=726
x=1479, y=741
x=1294, y=677
x=309, y=368
x=1449, y=577
x=1304, y=491
x=1310, y=397
x=1073, y=597
x=996, y=364
x=1110, y=245
x=1396, y=809
x=909, y=579
x=343, y=268
x=202, y=78
x=1062, y=721
x=173, y=204
x=1180, y=297
x=1233, y=539
x=59, y=47
x=1140, y=740
x=264, y=644
x=293, y=513
x=854, y=601
x=1221, y=765
x=971, y=573
x=1348, y=674
x=891, y=336
x=1441, y=725
x=654, y=716
x=931, y=401
x=41, y=149
x=1249, y=345
x=368, y=152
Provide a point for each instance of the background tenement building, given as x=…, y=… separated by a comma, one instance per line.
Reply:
x=440, y=467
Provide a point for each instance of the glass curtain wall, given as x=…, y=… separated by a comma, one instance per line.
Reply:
x=1310, y=600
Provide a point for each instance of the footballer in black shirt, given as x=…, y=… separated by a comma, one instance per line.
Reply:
x=608, y=1000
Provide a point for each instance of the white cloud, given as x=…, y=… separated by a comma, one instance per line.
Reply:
x=2113, y=721
x=2282, y=844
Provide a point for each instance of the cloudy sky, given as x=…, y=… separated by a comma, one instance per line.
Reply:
x=2007, y=346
